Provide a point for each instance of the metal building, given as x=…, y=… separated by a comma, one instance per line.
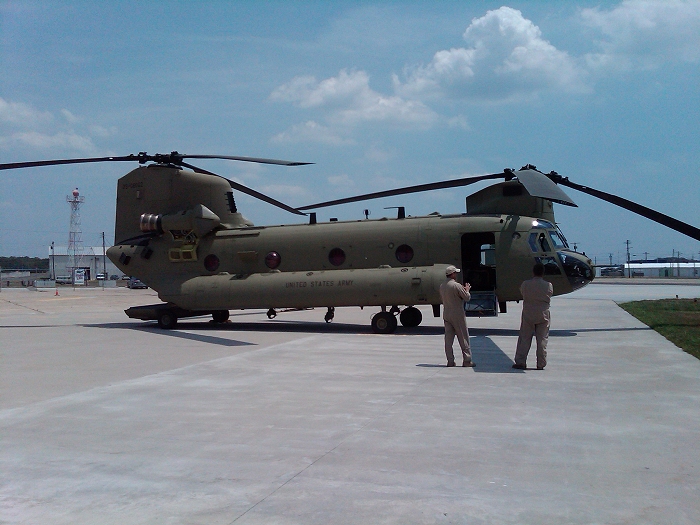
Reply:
x=683, y=270
x=93, y=263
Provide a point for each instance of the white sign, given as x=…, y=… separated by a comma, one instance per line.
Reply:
x=79, y=276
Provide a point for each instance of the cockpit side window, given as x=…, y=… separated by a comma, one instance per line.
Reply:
x=532, y=241
x=538, y=242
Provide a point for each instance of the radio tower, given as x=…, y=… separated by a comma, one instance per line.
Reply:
x=75, y=241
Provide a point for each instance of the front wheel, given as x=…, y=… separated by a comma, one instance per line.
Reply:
x=383, y=323
x=167, y=319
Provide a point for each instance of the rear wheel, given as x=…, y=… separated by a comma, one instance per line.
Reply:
x=383, y=323
x=220, y=316
x=167, y=319
x=411, y=317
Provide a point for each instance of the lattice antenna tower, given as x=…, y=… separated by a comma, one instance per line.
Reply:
x=75, y=241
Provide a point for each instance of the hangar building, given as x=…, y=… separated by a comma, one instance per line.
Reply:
x=92, y=261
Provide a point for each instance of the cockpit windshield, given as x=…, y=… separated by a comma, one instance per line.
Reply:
x=558, y=240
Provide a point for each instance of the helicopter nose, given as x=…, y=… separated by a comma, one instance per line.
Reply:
x=578, y=268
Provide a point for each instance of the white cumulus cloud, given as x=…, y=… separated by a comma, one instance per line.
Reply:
x=644, y=34
x=22, y=115
x=311, y=131
x=348, y=99
x=341, y=180
x=42, y=141
x=506, y=58
x=22, y=125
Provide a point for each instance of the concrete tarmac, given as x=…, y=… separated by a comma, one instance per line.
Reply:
x=108, y=420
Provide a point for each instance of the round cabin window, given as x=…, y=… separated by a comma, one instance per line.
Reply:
x=273, y=260
x=211, y=262
x=404, y=253
x=336, y=257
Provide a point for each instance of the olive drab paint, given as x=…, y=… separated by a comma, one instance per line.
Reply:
x=179, y=232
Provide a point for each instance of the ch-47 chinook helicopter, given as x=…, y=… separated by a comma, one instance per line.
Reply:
x=179, y=231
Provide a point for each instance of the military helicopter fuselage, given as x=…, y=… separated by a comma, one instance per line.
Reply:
x=181, y=233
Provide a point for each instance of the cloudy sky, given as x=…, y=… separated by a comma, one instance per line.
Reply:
x=377, y=94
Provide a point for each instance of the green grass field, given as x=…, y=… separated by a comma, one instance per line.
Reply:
x=678, y=320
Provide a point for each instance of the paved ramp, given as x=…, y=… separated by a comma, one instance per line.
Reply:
x=294, y=421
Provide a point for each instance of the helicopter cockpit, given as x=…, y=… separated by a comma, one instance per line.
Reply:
x=548, y=242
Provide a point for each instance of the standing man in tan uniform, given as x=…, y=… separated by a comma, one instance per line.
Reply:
x=535, y=320
x=453, y=296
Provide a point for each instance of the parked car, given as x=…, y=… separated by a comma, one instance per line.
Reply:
x=135, y=283
x=615, y=271
x=101, y=276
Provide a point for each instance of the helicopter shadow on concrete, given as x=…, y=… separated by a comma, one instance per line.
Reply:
x=153, y=329
x=494, y=361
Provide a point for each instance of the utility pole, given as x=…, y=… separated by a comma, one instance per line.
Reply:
x=629, y=270
x=611, y=259
x=673, y=256
x=104, y=262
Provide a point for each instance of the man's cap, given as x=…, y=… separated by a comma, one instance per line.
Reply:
x=450, y=270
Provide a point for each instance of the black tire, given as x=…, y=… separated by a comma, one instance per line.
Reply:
x=384, y=323
x=411, y=317
x=220, y=316
x=167, y=319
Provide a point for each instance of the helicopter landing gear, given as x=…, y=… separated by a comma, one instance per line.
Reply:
x=411, y=317
x=167, y=319
x=271, y=313
x=384, y=323
x=220, y=316
x=330, y=314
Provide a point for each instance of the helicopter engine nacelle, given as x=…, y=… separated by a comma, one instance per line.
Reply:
x=200, y=220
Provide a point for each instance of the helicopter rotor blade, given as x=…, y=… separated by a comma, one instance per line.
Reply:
x=56, y=162
x=176, y=159
x=661, y=218
x=249, y=159
x=411, y=189
x=173, y=157
x=246, y=190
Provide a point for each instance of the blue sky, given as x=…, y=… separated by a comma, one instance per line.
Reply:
x=376, y=94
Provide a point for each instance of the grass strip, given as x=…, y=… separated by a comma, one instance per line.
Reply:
x=678, y=320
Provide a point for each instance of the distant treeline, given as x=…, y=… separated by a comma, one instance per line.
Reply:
x=24, y=263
